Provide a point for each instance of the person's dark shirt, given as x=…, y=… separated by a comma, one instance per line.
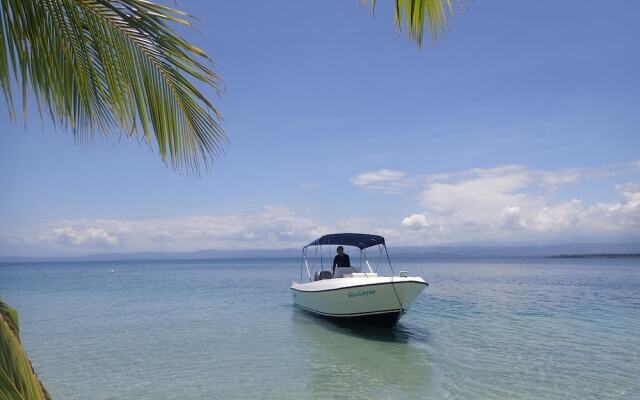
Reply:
x=341, y=261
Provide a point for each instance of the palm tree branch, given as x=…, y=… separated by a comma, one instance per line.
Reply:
x=100, y=66
x=413, y=15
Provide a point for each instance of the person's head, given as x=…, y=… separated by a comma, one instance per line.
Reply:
x=340, y=250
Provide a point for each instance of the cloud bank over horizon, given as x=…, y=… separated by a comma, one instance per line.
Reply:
x=502, y=204
x=513, y=203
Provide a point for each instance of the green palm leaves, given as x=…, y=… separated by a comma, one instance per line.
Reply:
x=18, y=381
x=104, y=66
x=414, y=14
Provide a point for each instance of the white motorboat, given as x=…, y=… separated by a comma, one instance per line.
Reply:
x=356, y=293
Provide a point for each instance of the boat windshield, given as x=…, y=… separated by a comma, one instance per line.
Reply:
x=318, y=260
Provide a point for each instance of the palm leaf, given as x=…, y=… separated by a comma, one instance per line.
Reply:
x=98, y=66
x=18, y=380
x=412, y=15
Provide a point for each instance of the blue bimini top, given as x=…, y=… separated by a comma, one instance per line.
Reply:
x=359, y=240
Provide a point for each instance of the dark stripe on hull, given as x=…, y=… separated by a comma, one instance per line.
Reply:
x=383, y=319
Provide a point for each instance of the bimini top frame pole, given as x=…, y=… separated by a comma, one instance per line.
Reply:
x=366, y=260
x=306, y=264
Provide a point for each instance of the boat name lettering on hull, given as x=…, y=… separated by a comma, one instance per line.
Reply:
x=361, y=293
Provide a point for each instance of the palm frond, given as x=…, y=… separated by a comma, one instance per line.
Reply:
x=104, y=66
x=18, y=380
x=412, y=15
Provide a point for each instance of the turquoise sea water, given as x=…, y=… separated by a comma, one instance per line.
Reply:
x=484, y=329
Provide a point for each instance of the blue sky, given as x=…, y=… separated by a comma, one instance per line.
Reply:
x=520, y=126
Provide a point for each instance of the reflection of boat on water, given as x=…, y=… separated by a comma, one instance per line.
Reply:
x=360, y=361
x=353, y=295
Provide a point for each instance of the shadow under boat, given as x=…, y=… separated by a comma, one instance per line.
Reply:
x=397, y=334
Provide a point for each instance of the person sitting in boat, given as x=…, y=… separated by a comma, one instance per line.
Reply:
x=341, y=260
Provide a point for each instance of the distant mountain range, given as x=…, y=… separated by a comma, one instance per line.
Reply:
x=422, y=253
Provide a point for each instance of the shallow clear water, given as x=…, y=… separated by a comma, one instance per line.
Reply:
x=499, y=329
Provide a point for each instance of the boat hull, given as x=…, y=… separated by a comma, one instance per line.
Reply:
x=384, y=319
x=376, y=300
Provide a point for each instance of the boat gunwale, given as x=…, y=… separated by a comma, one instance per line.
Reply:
x=356, y=286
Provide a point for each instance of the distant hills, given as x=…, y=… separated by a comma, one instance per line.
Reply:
x=422, y=253
x=597, y=255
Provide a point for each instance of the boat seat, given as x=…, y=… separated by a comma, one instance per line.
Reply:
x=340, y=271
x=320, y=275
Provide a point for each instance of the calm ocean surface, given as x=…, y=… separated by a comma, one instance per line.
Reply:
x=484, y=329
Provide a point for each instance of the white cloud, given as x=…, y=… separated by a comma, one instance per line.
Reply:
x=512, y=202
x=382, y=181
x=415, y=221
x=552, y=178
x=511, y=218
x=67, y=235
x=270, y=227
x=267, y=228
x=482, y=196
x=565, y=216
